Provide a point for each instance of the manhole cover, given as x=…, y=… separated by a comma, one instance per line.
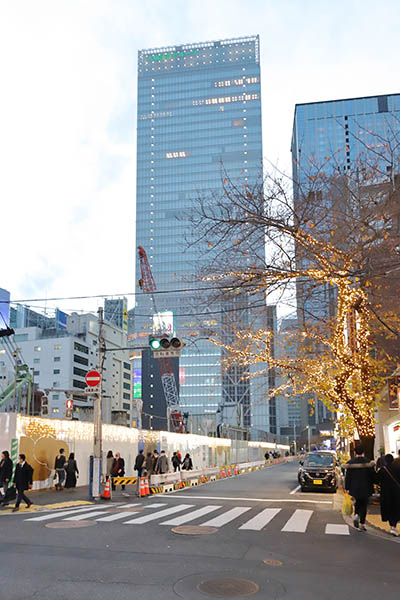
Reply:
x=193, y=530
x=271, y=562
x=70, y=524
x=228, y=588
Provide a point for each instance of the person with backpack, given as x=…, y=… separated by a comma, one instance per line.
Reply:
x=359, y=483
x=6, y=468
x=59, y=465
x=187, y=464
x=389, y=480
x=23, y=478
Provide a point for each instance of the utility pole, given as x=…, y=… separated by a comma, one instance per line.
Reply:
x=97, y=399
x=15, y=355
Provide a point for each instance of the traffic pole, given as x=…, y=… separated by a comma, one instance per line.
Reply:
x=98, y=398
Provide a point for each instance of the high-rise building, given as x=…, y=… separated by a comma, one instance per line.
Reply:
x=199, y=120
x=116, y=312
x=333, y=139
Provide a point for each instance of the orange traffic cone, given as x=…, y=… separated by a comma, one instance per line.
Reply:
x=142, y=490
x=229, y=472
x=236, y=471
x=146, y=486
x=106, y=495
x=223, y=474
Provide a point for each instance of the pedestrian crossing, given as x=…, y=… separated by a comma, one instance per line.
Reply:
x=210, y=515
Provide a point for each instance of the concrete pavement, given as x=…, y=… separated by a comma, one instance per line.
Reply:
x=111, y=558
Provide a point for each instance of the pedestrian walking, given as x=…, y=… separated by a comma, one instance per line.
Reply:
x=148, y=465
x=389, y=480
x=109, y=463
x=266, y=455
x=156, y=457
x=139, y=468
x=187, y=464
x=71, y=469
x=6, y=468
x=176, y=463
x=359, y=483
x=118, y=469
x=381, y=462
x=162, y=463
x=59, y=464
x=23, y=478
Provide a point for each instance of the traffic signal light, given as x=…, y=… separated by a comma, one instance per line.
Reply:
x=6, y=332
x=164, y=346
x=69, y=406
x=44, y=406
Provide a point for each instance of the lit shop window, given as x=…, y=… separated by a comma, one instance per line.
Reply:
x=180, y=154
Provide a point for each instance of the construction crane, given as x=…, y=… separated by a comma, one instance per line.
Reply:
x=148, y=285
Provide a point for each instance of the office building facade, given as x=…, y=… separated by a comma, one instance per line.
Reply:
x=199, y=120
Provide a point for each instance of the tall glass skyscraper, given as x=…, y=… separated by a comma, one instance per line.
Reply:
x=199, y=113
x=332, y=137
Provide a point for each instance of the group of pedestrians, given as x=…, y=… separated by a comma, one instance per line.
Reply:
x=65, y=470
x=359, y=483
x=22, y=480
x=115, y=467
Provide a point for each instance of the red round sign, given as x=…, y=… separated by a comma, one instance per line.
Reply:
x=93, y=378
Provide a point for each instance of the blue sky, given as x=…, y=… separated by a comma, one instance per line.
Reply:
x=68, y=111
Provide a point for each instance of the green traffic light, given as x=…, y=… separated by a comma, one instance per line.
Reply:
x=155, y=344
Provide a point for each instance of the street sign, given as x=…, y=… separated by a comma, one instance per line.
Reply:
x=93, y=378
x=91, y=390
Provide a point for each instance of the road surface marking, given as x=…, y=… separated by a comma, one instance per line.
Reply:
x=85, y=516
x=298, y=521
x=262, y=519
x=157, y=515
x=296, y=489
x=232, y=499
x=191, y=516
x=56, y=515
x=116, y=516
x=226, y=517
x=337, y=529
x=129, y=505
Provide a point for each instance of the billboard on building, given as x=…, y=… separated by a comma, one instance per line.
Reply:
x=4, y=308
x=61, y=319
x=137, y=383
x=163, y=322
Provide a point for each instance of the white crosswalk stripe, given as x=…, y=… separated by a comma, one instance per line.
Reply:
x=157, y=515
x=62, y=513
x=260, y=520
x=298, y=522
x=200, y=512
x=226, y=517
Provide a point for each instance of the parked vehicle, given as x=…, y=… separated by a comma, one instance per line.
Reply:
x=319, y=471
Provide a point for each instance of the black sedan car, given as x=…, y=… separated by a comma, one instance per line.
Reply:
x=319, y=471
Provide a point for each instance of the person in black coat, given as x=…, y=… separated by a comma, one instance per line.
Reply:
x=176, y=462
x=23, y=481
x=118, y=469
x=389, y=479
x=359, y=483
x=71, y=469
x=139, y=468
x=6, y=468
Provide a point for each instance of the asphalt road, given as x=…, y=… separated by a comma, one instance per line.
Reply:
x=122, y=553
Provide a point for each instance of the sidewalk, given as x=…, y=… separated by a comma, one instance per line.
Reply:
x=50, y=498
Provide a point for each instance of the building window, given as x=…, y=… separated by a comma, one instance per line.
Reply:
x=127, y=386
x=37, y=348
x=36, y=361
x=78, y=384
x=80, y=372
x=56, y=371
x=126, y=406
x=55, y=396
x=36, y=372
x=57, y=358
x=56, y=384
x=81, y=348
x=127, y=366
x=127, y=376
x=126, y=396
x=81, y=360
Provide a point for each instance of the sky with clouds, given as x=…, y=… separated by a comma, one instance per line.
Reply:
x=68, y=111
